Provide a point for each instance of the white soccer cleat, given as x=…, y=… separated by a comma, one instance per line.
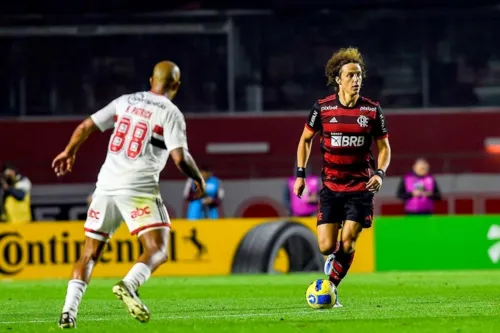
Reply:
x=337, y=303
x=135, y=307
x=329, y=264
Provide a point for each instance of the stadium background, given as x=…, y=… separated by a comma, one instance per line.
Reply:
x=248, y=79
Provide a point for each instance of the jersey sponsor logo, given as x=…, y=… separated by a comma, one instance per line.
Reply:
x=347, y=141
x=329, y=107
x=140, y=98
x=367, y=108
x=93, y=214
x=333, y=120
x=382, y=122
x=313, y=118
x=363, y=121
x=138, y=212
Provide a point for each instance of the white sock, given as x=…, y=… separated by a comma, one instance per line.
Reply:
x=74, y=295
x=136, y=277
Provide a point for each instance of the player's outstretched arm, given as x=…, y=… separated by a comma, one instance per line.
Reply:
x=80, y=134
x=63, y=163
x=186, y=164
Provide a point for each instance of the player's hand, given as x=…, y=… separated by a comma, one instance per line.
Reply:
x=63, y=163
x=299, y=186
x=374, y=184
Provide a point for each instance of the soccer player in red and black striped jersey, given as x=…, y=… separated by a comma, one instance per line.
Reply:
x=346, y=123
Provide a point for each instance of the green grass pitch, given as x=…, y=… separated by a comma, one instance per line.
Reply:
x=381, y=302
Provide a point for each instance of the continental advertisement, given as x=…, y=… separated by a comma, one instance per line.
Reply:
x=248, y=246
x=48, y=250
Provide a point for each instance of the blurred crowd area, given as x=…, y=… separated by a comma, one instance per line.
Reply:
x=436, y=59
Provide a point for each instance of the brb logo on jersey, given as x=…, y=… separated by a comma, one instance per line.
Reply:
x=94, y=215
x=339, y=140
x=139, y=212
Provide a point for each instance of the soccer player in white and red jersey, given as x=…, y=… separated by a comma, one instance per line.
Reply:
x=148, y=128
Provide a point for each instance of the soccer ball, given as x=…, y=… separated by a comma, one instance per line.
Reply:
x=321, y=294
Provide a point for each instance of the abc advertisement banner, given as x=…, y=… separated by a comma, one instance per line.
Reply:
x=48, y=250
x=437, y=243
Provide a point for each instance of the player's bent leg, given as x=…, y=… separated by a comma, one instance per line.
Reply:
x=327, y=241
x=359, y=215
x=330, y=216
x=327, y=237
x=154, y=242
x=102, y=220
x=148, y=219
x=344, y=254
x=84, y=266
x=80, y=277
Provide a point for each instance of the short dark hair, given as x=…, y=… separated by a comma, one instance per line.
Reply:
x=350, y=55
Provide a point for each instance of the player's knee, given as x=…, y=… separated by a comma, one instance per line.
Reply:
x=348, y=245
x=161, y=256
x=90, y=254
x=326, y=246
x=158, y=254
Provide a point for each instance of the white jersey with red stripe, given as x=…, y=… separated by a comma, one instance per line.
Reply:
x=147, y=127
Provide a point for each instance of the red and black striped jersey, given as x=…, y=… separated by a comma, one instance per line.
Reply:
x=346, y=139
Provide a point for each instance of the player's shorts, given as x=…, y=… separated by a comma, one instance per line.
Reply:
x=141, y=214
x=337, y=207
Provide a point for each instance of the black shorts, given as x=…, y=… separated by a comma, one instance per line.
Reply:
x=337, y=207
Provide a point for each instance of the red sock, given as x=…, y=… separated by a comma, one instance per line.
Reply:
x=341, y=265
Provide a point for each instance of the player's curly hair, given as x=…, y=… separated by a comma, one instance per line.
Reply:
x=339, y=59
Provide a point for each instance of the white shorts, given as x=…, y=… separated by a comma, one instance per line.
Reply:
x=141, y=214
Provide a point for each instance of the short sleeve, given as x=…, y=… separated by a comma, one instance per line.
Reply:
x=105, y=117
x=314, y=120
x=174, y=131
x=379, y=128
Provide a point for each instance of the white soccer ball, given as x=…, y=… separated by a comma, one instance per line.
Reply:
x=321, y=294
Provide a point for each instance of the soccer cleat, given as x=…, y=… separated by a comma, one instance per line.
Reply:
x=329, y=264
x=67, y=320
x=337, y=303
x=135, y=307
